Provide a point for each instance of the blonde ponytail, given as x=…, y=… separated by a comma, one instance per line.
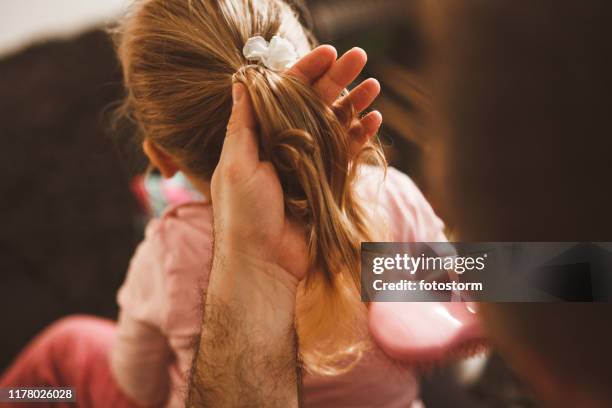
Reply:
x=309, y=147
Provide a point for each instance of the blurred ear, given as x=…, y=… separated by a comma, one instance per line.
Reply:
x=160, y=159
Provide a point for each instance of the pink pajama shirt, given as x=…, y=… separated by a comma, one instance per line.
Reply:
x=148, y=356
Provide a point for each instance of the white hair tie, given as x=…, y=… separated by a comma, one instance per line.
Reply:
x=278, y=54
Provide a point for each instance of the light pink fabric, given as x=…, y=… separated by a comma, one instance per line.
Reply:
x=72, y=352
x=161, y=303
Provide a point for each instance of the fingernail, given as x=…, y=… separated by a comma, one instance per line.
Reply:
x=237, y=92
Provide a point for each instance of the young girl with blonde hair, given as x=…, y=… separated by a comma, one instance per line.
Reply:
x=180, y=58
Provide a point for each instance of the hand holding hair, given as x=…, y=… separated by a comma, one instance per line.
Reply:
x=248, y=198
x=241, y=179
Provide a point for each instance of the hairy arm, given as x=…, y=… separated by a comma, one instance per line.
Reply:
x=248, y=350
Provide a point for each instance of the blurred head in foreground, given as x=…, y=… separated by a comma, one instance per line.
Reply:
x=521, y=151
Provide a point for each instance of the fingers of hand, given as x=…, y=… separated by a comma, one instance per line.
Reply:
x=314, y=64
x=356, y=101
x=364, y=130
x=362, y=96
x=344, y=71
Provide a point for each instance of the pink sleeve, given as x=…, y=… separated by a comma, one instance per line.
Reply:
x=140, y=358
x=143, y=291
x=141, y=355
x=409, y=216
x=410, y=212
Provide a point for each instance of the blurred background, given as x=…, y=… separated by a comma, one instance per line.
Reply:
x=71, y=215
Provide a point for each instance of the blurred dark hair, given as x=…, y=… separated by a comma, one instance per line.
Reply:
x=521, y=151
x=524, y=89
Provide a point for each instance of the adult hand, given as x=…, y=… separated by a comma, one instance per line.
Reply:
x=330, y=77
x=248, y=200
x=247, y=196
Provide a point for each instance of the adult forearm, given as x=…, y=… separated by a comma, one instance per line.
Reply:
x=248, y=346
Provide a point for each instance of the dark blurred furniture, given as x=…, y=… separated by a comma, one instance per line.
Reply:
x=68, y=218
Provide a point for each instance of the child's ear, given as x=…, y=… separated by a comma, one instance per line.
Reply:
x=160, y=159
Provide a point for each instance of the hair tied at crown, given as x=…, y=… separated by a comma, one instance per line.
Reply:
x=240, y=74
x=279, y=54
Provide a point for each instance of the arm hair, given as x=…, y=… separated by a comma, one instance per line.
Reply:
x=238, y=363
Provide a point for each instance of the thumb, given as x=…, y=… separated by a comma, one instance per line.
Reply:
x=241, y=148
x=242, y=111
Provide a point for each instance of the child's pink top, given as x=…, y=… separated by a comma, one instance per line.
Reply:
x=161, y=304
